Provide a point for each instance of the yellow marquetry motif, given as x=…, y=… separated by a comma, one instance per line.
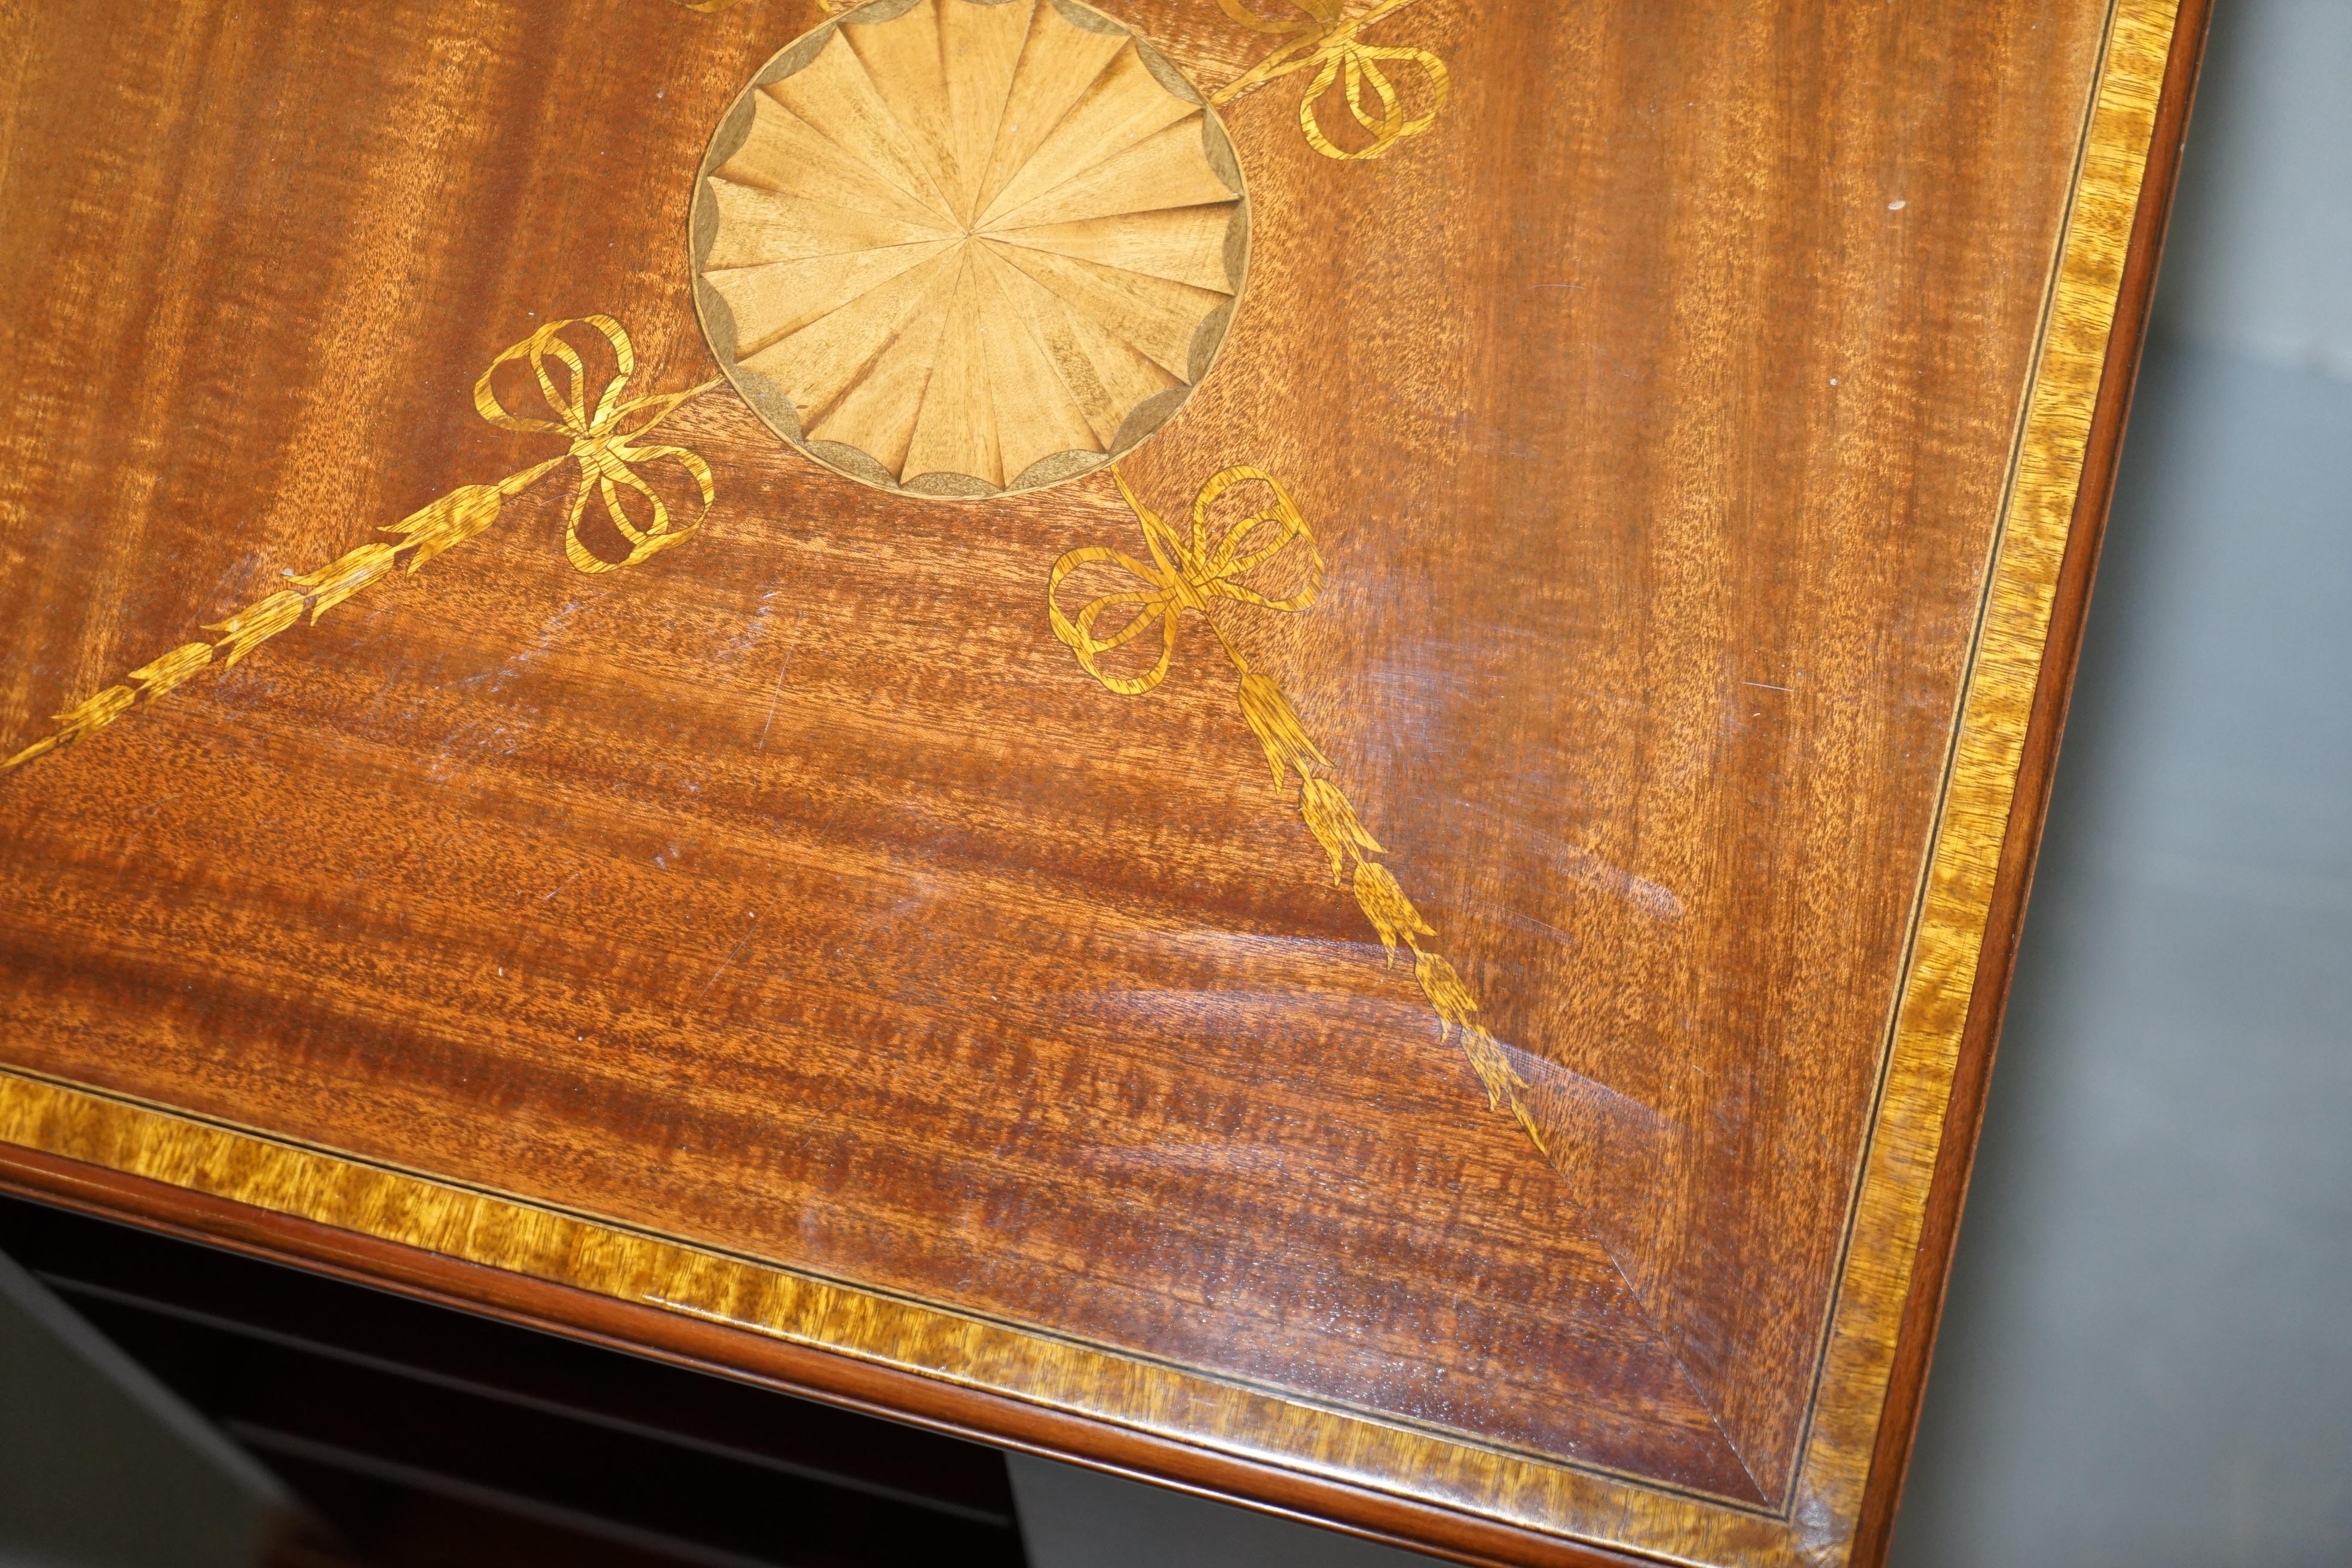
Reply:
x=1186, y=574
x=1325, y=39
x=93, y=713
x=449, y=521
x=332, y=584
x=606, y=444
x=188, y=659
x=258, y=622
x=604, y=441
x=1192, y=573
x=1330, y=43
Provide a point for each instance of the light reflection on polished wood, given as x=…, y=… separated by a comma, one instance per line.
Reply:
x=969, y=246
x=1192, y=574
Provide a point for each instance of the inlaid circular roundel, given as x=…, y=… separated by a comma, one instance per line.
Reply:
x=955, y=247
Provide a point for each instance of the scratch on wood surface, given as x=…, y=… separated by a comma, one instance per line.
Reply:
x=792, y=642
x=732, y=954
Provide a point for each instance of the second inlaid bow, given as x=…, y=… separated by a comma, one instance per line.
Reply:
x=1185, y=574
x=1192, y=573
x=1330, y=43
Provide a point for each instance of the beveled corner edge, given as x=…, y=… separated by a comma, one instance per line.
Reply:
x=1244, y=1444
x=1903, y=1215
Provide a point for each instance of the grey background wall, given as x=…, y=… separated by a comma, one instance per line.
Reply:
x=2146, y=1356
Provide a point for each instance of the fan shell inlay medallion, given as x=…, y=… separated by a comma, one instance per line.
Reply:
x=954, y=247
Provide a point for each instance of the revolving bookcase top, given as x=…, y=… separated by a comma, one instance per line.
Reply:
x=1287, y=745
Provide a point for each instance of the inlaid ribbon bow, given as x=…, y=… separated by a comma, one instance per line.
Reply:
x=1330, y=44
x=602, y=442
x=1184, y=575
x=1188, y=574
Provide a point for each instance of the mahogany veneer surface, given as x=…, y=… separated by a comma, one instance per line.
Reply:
x=795, y=893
